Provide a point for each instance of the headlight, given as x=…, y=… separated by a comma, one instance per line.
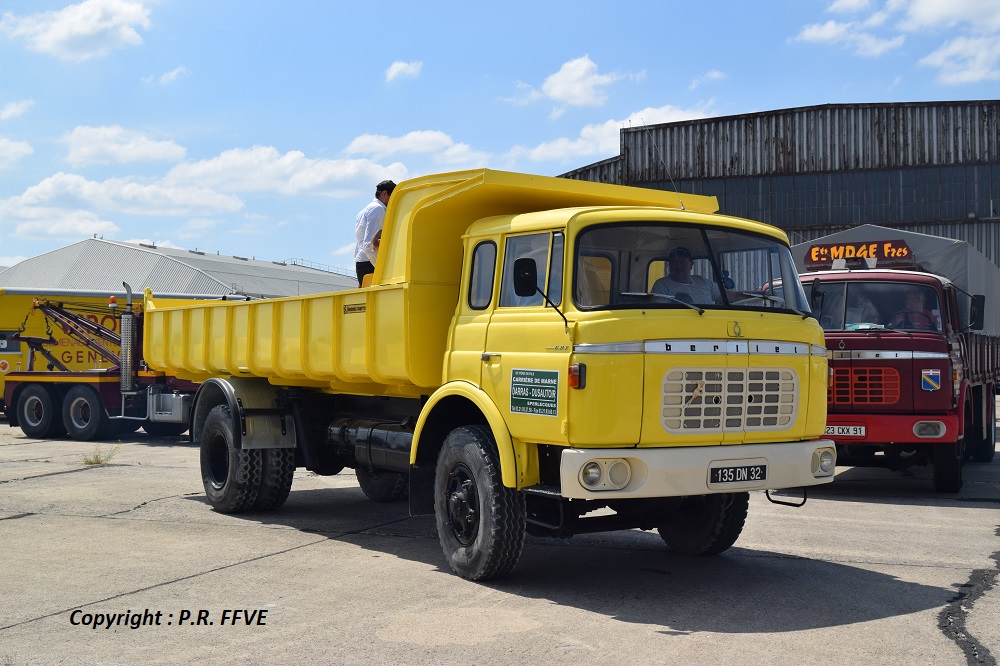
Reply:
x=606, y=474
x=591, y=474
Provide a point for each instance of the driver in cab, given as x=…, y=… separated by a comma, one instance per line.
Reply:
x=682, y=285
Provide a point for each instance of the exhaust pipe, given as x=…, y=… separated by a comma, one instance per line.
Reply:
x=128, y=344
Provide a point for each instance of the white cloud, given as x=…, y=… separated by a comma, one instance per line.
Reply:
x=89, y=29
x=115, y=144
x=49, y=223
x=972, y=29
x=15, y=109
x=966, y=60
x=264, y=169
x=12, y=151
x=174, y=74
x=122, y=195
x=441, y=147
x=849, y=35
x=710, y=76
x=157, y=243
x=345, y=249
x=603, y=139
x=525, y=95
x=400, y=68
x=10, y=261
x=577, y=83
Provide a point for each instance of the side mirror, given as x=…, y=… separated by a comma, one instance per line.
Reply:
x=816, y=296
x=977, y=312
x=525, y=277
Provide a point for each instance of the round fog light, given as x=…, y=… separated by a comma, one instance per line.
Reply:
x=591, y=474
x=618, y=474
x=827, y=461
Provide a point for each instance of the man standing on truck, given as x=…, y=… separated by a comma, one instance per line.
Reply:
x=368, y=223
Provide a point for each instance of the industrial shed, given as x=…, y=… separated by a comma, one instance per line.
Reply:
x=98, y=265
x=928, y=167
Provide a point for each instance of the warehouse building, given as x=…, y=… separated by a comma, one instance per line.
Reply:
x=928, y=167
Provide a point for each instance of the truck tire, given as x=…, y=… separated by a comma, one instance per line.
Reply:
x=231, y=476
x=706, y=524
x=160, y=429
x=984, y=446
x=37, y=414
x=480, y=522
x=277, y=467
x=948, y=460
x=83, y=414
x=382, y=486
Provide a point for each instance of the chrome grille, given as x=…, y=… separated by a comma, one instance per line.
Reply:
x=729, y=399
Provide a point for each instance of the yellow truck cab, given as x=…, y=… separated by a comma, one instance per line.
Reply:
x=531, y=350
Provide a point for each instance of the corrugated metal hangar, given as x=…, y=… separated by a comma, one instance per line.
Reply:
x=929, y=167
x=96, y=265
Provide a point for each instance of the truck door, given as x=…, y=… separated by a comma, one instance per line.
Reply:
x=527, y=346
x=473, y=318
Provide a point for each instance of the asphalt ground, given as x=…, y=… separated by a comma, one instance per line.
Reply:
x=876, y=568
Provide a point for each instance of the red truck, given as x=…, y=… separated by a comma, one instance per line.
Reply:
x=912, y=326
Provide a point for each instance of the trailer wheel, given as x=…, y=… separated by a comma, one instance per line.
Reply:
x=383, y=486
x=706, y=524
x=984, y=446
x=277, y=467
x=231, y=476
x=36, y=412
x=83, y=414
x=159, y=429
x=480, y=522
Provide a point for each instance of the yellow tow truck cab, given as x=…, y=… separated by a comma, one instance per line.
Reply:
x=530, y=350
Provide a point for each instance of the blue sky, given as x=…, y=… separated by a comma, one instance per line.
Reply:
x=259, y=128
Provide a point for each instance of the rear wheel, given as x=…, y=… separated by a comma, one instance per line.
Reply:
x=277, y=467
x=706, y=524
x=84, y=415
x=231, y=476
x=36, y=412
x=382, y=486
x=480, y=522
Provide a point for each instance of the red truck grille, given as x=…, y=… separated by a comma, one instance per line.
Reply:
x=863, y=386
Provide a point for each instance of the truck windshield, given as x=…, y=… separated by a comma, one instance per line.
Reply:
x=863, y=305
x=647, y=264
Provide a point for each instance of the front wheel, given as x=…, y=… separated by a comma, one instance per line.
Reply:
x=84, y=415
x=231, y=476
x=984, y=445
x=706, y=524
x=948, y=459
x=480, y=522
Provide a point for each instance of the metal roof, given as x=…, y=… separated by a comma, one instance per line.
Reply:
x=98, y=265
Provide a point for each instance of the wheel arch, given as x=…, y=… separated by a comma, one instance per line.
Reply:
x=456, y=404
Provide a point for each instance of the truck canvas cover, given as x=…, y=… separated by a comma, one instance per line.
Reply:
x=958, y=261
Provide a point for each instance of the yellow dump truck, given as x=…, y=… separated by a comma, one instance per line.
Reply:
x=532, y=357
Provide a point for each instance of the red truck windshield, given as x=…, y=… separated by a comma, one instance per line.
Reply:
x=863, y=305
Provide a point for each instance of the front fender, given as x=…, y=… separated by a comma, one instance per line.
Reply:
x=513, y=453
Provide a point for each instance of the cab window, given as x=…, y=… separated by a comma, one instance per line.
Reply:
x=484, y=261
x=536, y=247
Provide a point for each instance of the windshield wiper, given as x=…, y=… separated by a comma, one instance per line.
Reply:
x=777, y=300
x=646, y=294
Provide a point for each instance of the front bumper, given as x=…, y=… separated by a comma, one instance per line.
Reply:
x=893, y=428
x=675, y=472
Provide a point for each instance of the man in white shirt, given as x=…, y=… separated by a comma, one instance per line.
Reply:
x=368, y=223
x=679, y=283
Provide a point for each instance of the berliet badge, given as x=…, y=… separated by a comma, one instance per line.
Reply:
x=734, y=329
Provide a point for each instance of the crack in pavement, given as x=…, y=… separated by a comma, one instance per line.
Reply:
x=951, y=620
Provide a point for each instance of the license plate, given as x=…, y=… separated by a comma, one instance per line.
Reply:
x=846, y=431
x=738, y=474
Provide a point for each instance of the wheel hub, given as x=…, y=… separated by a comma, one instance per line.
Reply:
x=463, y=505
